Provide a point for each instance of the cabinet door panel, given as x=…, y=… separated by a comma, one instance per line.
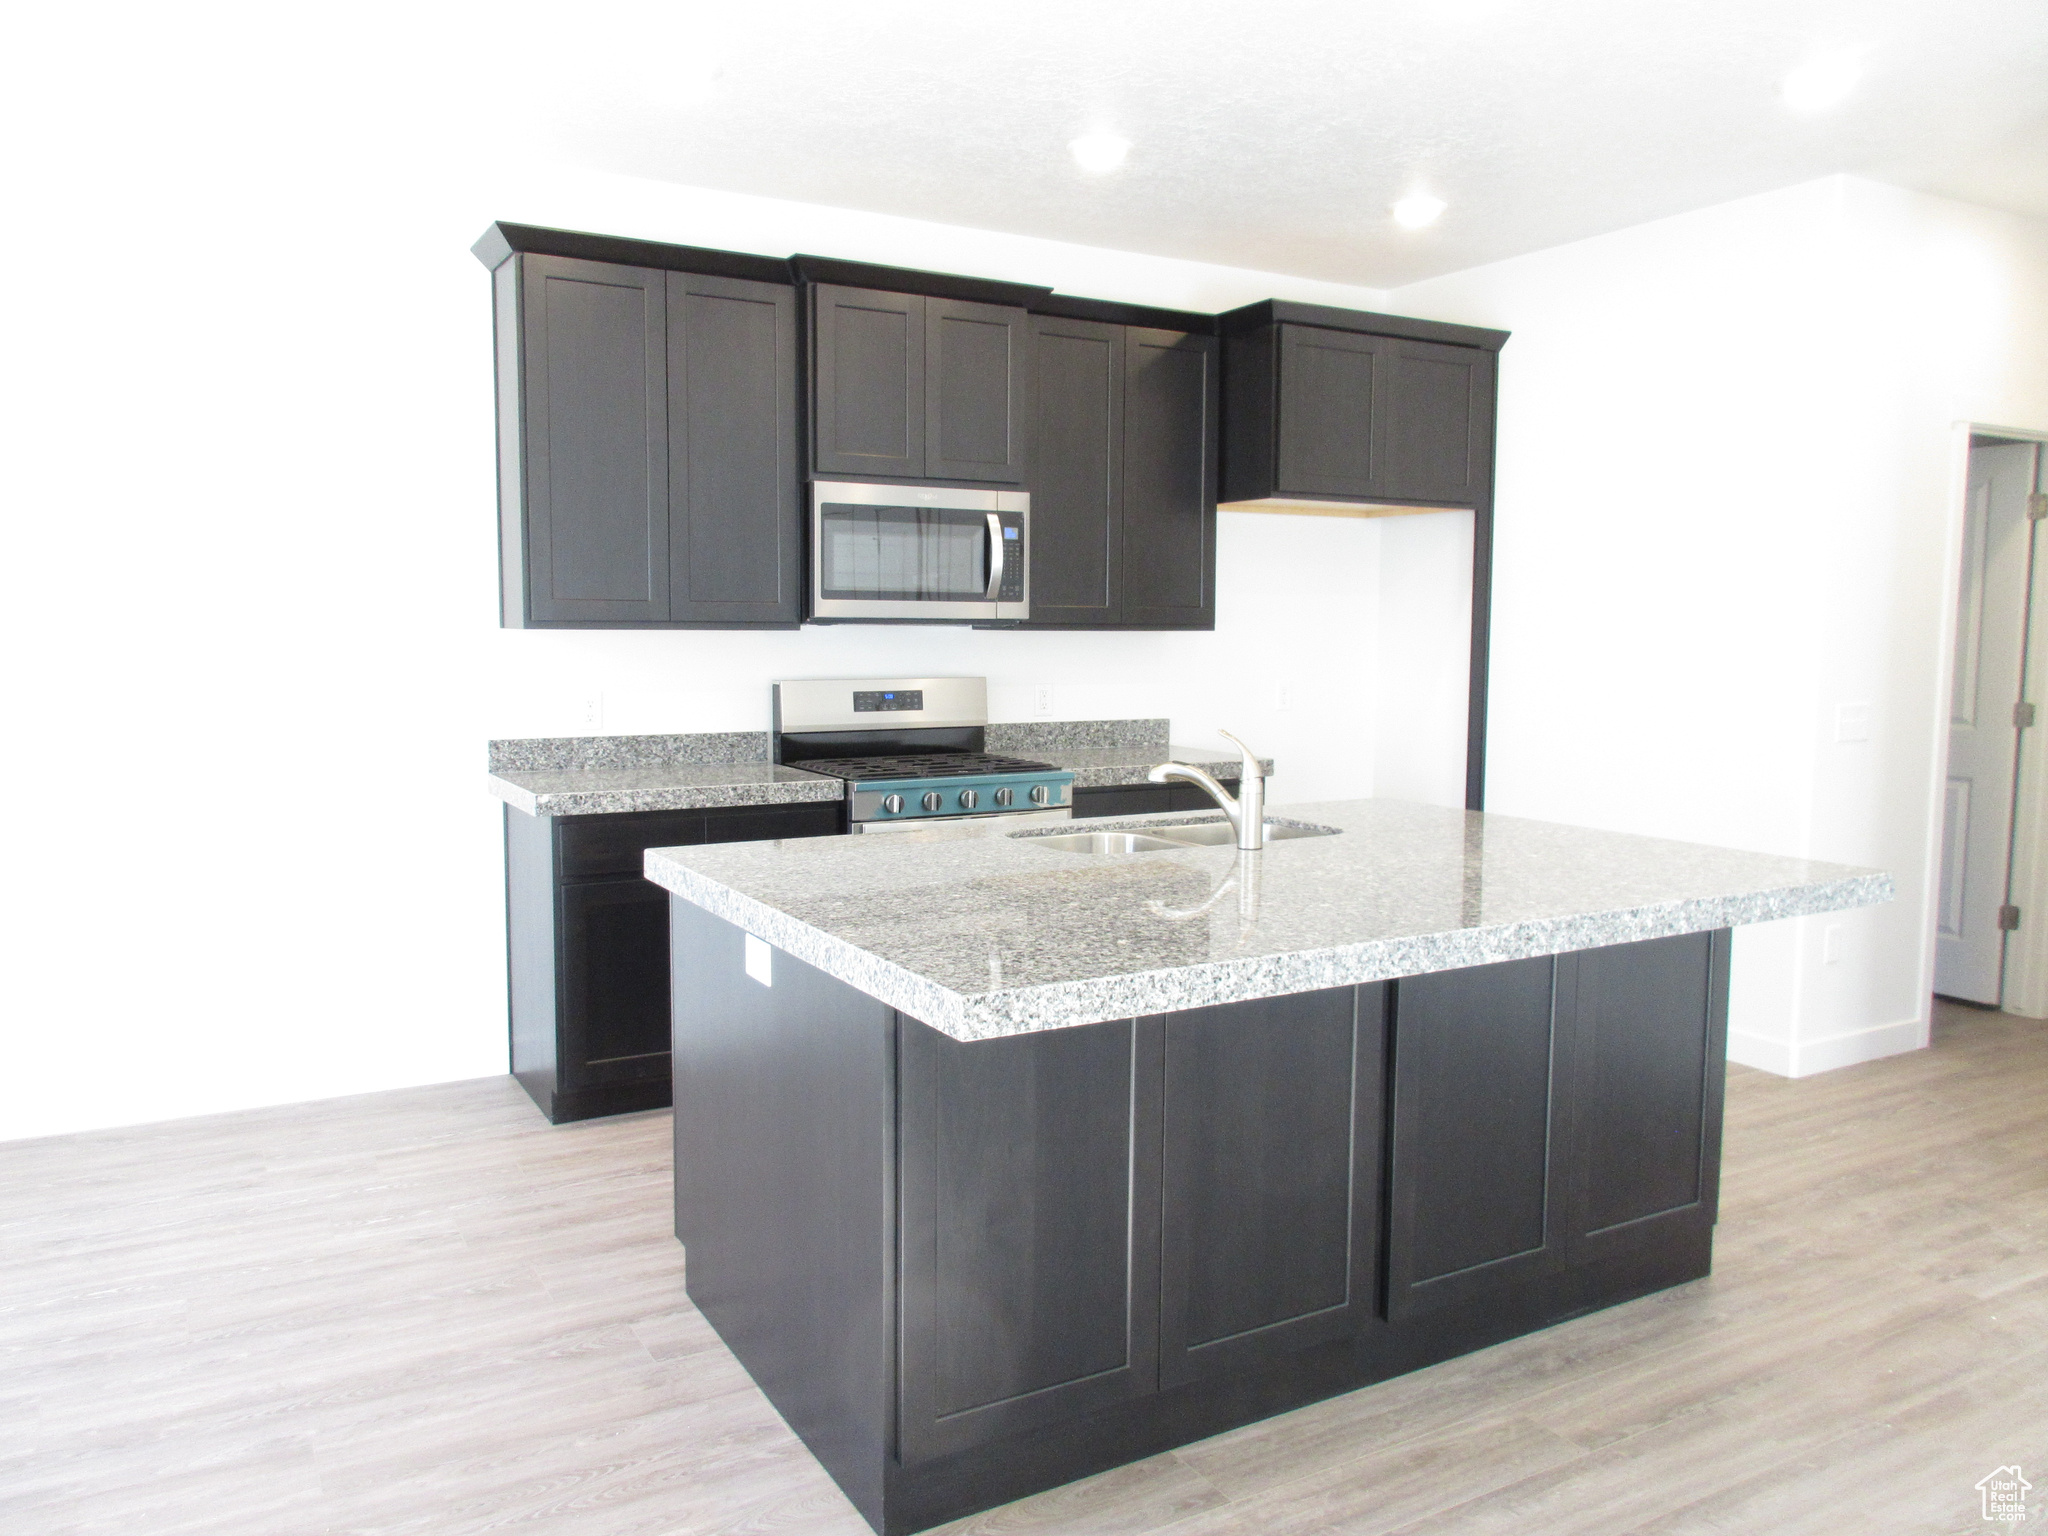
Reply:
x=1472, y=1147
x=1436, y=423
x=1029, y=1261
x=1169, y=485
x=1076, y=491
x=1271, y=1178
x=1647, y=1022
x=737, y=517
x=614, y=1017
x=870, y=382
x=976, y=382
x=596, y=440
x=1331, y=383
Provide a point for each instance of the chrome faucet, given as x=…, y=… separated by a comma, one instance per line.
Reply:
x=1247, y=813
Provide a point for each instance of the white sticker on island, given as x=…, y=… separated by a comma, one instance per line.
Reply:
x=759, y=966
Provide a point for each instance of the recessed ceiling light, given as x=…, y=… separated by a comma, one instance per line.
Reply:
x=1820, y=83
x=1099, y=153
x=1418, y=209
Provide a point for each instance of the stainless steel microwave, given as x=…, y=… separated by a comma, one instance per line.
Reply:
x=907, y=552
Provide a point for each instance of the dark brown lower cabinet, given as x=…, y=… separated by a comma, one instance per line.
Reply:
x=1271, y=1179
x=1030, y=1229
x=588, y=941
x=1554, y=1113
x=968, y=1271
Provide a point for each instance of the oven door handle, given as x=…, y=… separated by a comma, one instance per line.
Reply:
x=995, y=556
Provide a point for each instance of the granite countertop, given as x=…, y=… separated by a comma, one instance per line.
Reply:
x=601, y=775
x=990, y=936
x=674, y=787
x=596, y=775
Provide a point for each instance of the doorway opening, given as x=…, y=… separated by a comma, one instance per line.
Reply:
x=1987, y=831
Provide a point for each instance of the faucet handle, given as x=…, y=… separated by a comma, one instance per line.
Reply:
x=1251, y=770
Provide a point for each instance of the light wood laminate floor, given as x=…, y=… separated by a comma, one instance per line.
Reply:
x=430, y=1312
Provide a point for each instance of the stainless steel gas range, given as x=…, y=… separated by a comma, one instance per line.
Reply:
x=910, y=753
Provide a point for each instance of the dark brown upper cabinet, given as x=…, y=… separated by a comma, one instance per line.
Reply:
x=910, y=386
x=1340, y=410
x=647, y=439
x=1123, y=482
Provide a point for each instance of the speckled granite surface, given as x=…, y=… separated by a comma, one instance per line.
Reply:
x=1024, y=737
x=992, y=936
x=597, y=775
x=672, y=787
x=1094, y=767
x=546, y=752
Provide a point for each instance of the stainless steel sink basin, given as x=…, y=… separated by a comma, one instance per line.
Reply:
x=1213, y=834
x=1104, y=842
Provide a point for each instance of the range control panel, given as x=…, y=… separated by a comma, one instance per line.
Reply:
x=926, y=799
x=869, y=701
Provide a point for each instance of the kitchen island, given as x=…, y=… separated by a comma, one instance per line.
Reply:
x=998, y=1165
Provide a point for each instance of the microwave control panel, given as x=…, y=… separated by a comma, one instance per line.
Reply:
x=1012, y=588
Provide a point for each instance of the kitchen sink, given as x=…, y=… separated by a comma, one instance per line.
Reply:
x=1201, y=834
x=1103, y=842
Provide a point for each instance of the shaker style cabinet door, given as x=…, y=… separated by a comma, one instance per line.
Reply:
x=977, y=387
x=1434, y=423
x=592, y=439
x=1332, y=385
x=1077, y=473
x=1171, y=414
x=1477, y=1176
x=1273, y=1127
x=614, y=1018
x=1648, y=1028
x=868, y=382
x=735, y=502
x=1029, y=1220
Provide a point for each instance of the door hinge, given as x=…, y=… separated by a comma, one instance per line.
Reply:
x=2008, y=918
x=2022, y=716
x=2037, y=505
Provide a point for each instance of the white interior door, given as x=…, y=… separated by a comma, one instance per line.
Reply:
x=1983, y=746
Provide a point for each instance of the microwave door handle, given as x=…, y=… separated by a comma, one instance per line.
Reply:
x=995, y=556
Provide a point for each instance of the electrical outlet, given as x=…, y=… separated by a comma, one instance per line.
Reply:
x=1831, y=944
x=1041, y=699
x=593, y=711
x=1283, y=696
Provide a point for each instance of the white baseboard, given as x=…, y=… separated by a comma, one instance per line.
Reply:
x=1756, y=1051
x=1803, y=1058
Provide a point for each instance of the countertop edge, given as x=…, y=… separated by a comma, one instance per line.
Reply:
x=883, y=980
x=684, y=797
x=1069, y=1004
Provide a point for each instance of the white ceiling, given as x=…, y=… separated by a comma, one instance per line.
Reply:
x=1276, y=135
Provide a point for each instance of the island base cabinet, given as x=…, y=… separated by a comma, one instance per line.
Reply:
x=1552, y=1113
x=969, y=1271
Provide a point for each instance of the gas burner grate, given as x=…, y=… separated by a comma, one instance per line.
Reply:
x=933, y=765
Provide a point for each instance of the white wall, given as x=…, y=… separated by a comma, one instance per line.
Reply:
x=1727, y=499
x=251, y=624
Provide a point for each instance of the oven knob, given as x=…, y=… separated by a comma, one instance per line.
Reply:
x=969, y=799
x=1040, y=794
x=931, y=800
x=892, y=803
x=1005, y=795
